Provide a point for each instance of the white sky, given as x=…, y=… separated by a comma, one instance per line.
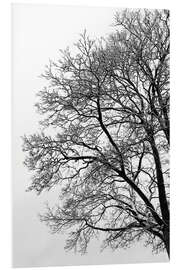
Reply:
x=39, y=31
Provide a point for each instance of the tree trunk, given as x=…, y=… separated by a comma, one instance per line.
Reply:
x=167, y=241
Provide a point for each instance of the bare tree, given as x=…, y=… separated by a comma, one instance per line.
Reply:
x=109, y=105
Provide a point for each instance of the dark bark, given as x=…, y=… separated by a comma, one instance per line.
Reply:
x=161, y=187
x=166, y=234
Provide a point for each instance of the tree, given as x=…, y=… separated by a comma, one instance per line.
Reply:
x=108, y=102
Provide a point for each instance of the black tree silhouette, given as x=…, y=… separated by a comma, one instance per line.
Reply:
x=109, y=104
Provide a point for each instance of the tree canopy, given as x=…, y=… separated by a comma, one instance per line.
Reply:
x=108, y=102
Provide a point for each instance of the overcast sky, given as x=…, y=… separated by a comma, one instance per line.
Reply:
x=39, y=31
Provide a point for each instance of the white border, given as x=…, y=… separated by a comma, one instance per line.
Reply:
x=5, y=127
